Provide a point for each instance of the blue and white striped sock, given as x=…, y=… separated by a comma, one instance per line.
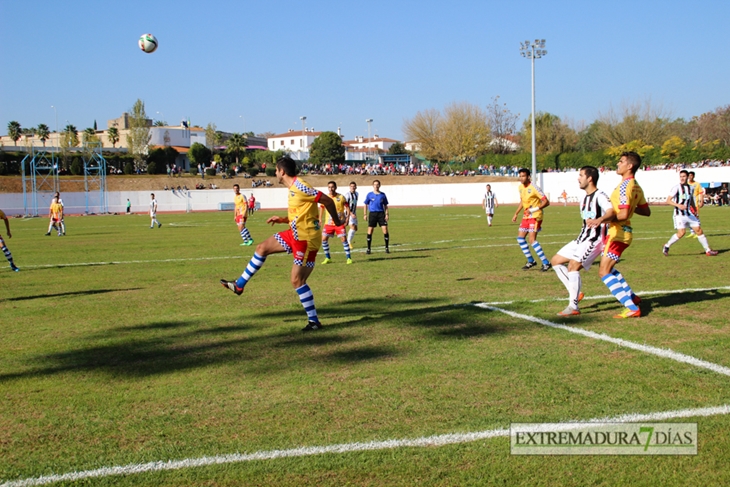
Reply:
x=245, y=235
x=347, y=249
x=620, y=290
x=540, y=254
x=307, y=299
x=326, y=248
x=525, y=249
x=252, y=268
x=8, y=255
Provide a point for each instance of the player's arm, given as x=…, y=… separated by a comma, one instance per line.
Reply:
x=7, y=227
x=385, y=207
x=670, y=201
x=607, y=217
x=643, y=210
x=496, y=203
x=277, y=219
x=544, y=203
x=519, y=209
x=327, y=202
x=321, y=216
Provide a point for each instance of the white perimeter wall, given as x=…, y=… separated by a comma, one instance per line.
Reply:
x=656, y=185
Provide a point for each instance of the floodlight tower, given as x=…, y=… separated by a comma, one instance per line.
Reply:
x=369, y=121
x=533, y=51
x=304, y=141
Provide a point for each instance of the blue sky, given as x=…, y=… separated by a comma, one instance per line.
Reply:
x=262, y=65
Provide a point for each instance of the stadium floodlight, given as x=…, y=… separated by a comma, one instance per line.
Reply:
x=530, y=52
x=304, y=141
x=369, y=121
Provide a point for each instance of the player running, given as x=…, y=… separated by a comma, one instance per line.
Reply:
x=153, y=212
x=581, y=252
x=489, y=203
x=303, y=238
x=685, y=214
x=533, y=201
x=4, y=248
x=626, y=199
x=352, y=198
x=241, y=214
x=330, y=229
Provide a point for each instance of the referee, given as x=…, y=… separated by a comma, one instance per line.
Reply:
x=376, y=203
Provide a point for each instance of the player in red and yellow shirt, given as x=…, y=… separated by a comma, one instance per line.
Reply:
x=626, y=199
x=532, y=202
x=330, y=229
x=240, y=214
x=302, y=239
x=55, y=215
x=699, y=196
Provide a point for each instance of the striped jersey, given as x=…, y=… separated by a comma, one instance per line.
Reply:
x=489, y=199
x=352, y=200
x=683, y=194
x=594, y=205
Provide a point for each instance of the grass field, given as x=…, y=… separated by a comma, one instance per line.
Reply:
x=120, y=348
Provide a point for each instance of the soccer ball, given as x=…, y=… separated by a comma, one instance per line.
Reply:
x=148, y=43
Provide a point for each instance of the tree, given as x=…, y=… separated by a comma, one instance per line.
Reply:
x=503, y=124
x=466, y=134
x=672, y=147
x=397, y=148
x=159, y=123
x=199, y=154
x=113, y=135
x=138, y=137
x=70, y=137
x=89, y=135
x=636, y=121
x=211, y=136
x=422, y=129
x=14, y=131
x=235, y=144
x=552, y=135
x=712, y=126
x=327, y=148
x=43, y=133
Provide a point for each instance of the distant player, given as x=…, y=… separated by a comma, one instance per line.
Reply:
x=532, y=202
x=63, y=211
x=685, y=214
x=251, y=204
x=352, y=198
x=153, y=212
x=564, y=195
x=489, y=203
x=55, y=214
x=581, y=252
x=699, y=195
x=303, y=238
x=626, y=199
x=240, y=214
x=4, y=248
x=129, y=207
x=377, y=203
x=330, y=229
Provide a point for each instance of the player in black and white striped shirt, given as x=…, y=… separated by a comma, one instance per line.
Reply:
x=581, y=252
x=685, y=214
x=351, y=197
x=489, y=203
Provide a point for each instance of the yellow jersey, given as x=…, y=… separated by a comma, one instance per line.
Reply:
x=629, y=195
x=56, y=210
x=340, y=205
x=240, y=204
x=697, y=192
x=531, y=196
x=303, y=212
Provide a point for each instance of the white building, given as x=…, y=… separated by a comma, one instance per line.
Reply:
x=296, y=142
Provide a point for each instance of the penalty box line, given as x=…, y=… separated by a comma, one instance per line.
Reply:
x=429, y=441
x=659, y=352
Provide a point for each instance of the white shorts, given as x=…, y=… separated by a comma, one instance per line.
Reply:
x=681, y=221
x=584, y=252
x=152, y=214
x=353, y=219
x=490, y=211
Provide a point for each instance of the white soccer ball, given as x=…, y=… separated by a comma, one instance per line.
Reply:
x=148, y=43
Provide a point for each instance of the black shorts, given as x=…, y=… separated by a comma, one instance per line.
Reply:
x=377, y=218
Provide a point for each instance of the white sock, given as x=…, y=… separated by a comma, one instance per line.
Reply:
x=672, y=240
x=350, y=235
x=562, y=273
x=574, y=289
x=489, y=219
x=703, y=240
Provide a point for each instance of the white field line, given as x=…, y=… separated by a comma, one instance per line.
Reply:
x=122, y=262
x=660, y=352
x=609, y=296
x=430, y=441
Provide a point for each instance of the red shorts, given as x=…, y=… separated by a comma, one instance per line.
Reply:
x=304, y=251
x=613, y=250
x=240, y=219
x=331, y=231
x=530, y=225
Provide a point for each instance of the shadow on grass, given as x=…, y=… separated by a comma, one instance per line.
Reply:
x=171, y=346
x=649, y=303
x=393, y=257
x=89, y=292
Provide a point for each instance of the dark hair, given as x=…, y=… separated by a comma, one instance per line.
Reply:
x=634, y=159
x=684, y=171
x=591, y=172
x=691, y=173
x=353, y=182
x=332, y=182
x=525, y=171
x=236, y=186
x=376, y=181
x=288, y=165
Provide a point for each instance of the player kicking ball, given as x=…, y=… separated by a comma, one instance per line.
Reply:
x=303, y=238
x=581, y=252
x=330, y=230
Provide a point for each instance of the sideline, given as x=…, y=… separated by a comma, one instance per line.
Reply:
x=428, y=441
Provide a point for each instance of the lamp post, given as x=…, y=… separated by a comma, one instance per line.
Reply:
x=58, y=136
x=161, y=117
x=369, y=121
x=304, y=141
x=533, y=51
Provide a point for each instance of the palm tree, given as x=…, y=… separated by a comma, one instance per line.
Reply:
x=70, y=136
x=113, y=135
x=236, y=143
x=89, y=135
x=43, y=133
x=14, y=131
